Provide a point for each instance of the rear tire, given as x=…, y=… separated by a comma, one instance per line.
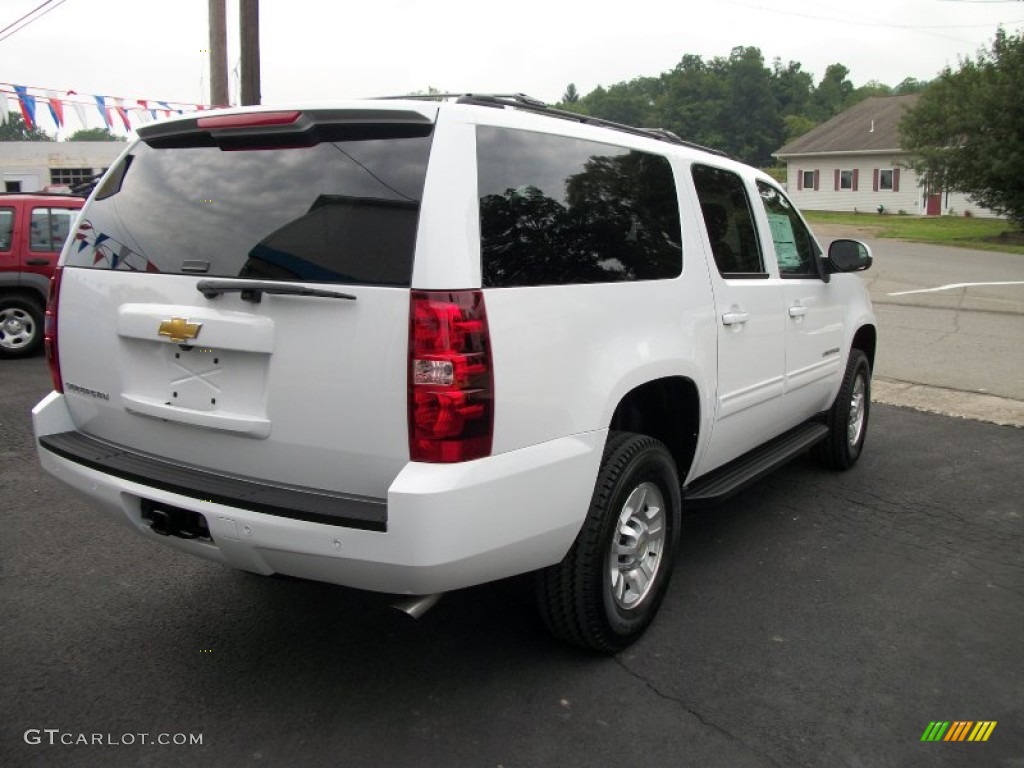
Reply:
x=21, y=327
x=607, y=589
x=848, y=417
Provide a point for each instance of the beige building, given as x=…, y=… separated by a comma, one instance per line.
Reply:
x=854, y=162
x=33, y=166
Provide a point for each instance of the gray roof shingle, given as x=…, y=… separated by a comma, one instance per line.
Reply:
x=851, y=131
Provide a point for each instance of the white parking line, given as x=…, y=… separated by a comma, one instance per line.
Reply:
x=953, y=286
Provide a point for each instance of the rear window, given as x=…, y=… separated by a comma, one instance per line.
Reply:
x=556, y=210
x=343, y=210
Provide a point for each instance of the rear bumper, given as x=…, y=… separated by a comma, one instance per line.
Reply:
x=447, y=525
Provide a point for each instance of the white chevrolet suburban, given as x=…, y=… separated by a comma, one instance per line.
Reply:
x=416, y=345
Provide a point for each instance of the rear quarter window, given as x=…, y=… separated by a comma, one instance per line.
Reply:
x=6, y=228
x=49, y=228
x=557, y=210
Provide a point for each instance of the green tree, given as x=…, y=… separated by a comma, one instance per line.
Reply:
x=16, y=130
x=571, y=95
x=94, y=134
x=910, y=85
x=792, y=87
x=872, y=88
x=966, y=128
x=752, y=111
x=797, y=126
x=833, y=94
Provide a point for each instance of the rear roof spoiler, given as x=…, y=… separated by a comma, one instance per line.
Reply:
x=302, y=129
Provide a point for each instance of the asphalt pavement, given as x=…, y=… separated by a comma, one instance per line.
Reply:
x=818, y=619
x=950, y=326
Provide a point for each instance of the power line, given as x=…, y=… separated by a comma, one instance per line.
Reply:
x=874, y=23
x=15, y=23
x=4, y=34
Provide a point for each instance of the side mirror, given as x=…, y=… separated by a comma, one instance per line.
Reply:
x=848, y=256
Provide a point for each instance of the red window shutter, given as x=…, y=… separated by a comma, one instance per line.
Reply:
x=817, y=174
x=799, y=180
x=837, y=179
x=895, y=179
x=855, y=174
x=874, y=180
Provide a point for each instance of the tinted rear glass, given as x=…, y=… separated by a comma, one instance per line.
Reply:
x=557, y=210
x=341, y=211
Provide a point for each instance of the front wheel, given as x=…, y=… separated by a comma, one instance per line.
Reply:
x=21, y=327
x=847, y=420
x=607, y=589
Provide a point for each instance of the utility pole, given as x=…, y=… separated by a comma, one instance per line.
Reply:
x=249, y=22
x=218, y=55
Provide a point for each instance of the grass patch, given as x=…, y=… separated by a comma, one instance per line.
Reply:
x=956, y=231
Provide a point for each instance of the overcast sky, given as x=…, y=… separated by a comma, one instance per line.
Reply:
x=318, y=49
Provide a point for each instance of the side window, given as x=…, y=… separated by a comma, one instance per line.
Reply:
x=6, y=228
x=727, y=216
x=49, y=228
x=795, y=248
x=556, y=210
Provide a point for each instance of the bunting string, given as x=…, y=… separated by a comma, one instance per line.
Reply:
x=113, y=111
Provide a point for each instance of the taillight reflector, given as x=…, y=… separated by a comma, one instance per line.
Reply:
x=248, y=120
x=451, y=379
x=50, y=330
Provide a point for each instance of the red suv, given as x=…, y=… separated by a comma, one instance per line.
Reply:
x=33, y=228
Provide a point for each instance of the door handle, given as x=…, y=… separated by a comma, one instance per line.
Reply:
x=37, y=262
x=735, y=318
x=797, y=310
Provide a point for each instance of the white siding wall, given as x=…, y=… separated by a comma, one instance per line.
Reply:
x=21, y=159
x=910, y=196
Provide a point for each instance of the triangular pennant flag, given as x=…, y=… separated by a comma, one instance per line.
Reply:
x=79, y=111
x=28, y=106
x=167, y=108
x=145, y=113
x=3, y=109
x=56, y=109
x=101, y=104
x=123, y=113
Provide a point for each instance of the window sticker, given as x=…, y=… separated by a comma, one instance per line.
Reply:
x=785, y=241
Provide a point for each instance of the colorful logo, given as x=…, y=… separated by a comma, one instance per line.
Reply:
x=958, y=730
x=178, y=329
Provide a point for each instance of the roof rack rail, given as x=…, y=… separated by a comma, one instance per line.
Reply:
x=530, y=104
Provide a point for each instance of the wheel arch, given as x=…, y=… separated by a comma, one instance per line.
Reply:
x=21, y=292
x=866, y=339
x=667, y=409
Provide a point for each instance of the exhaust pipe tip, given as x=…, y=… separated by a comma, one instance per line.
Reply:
x=418, y=605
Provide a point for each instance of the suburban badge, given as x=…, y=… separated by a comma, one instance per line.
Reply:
x=179, y=330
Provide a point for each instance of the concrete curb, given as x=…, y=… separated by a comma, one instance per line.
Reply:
x=949, y=402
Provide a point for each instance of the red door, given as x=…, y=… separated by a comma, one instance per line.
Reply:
x=934, y=204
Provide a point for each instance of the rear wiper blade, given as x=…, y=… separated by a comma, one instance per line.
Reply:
x=253, y=290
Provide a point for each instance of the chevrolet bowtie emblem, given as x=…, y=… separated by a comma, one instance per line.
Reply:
x=179, y=330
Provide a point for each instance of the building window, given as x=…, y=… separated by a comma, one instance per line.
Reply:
x=12, y=186
x=846, y=179
x=808, y=180
x=885, y=180
x=70, y=176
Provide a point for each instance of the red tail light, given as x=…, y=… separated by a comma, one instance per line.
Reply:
x=451, y=380
x=50, y=330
